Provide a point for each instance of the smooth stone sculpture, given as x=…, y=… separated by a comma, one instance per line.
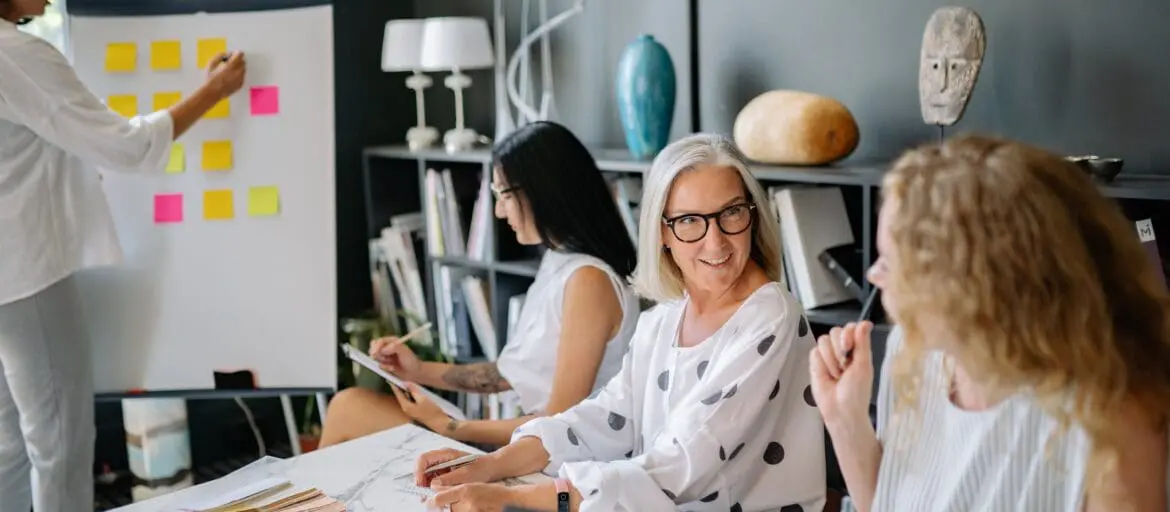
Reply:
x=795, y=128
x=953, y=46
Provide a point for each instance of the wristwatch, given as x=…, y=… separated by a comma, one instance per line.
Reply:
x=562, y=495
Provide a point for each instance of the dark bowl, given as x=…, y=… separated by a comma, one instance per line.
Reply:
x=1083, y=162
x=1105, y=169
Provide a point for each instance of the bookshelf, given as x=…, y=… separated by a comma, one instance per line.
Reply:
x=396, y=168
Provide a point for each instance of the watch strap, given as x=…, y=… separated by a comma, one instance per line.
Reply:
x=562, y=494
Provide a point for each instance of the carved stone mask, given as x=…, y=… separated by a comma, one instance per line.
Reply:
x=952, y=53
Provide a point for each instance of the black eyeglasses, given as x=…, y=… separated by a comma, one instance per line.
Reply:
x=692, y=227
x=499, y=193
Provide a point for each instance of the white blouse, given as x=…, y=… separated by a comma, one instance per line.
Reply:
x=950, y=459
x=54, y=135
x=529, y=359
x=728, y=424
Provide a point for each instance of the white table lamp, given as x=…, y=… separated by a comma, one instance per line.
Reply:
x=457, y=43
x=402, y=51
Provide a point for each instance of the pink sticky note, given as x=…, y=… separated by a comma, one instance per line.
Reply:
x=168, y=208
x=265, y=100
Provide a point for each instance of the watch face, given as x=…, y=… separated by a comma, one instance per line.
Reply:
x=564, y=496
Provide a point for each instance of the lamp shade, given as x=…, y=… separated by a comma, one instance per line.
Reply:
x=402, y=45
x=456, y=43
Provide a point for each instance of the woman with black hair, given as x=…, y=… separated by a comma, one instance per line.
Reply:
x=577, y=318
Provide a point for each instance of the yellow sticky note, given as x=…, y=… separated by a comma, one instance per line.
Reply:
x=165, y=55
x=125, y=104
x=217, y=155
x=121, y=57
x=217, y=204
x=263, y=201
x=165, y=100
x=221, y=110
x=208, y=49
x=178, y=161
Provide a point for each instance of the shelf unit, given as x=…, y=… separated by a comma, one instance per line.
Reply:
x=860, y=182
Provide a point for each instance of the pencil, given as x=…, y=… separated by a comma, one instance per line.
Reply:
x=866, y=312
x=421, y=329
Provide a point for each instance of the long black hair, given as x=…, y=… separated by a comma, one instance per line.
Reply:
x=571, y=203
x=6, y=6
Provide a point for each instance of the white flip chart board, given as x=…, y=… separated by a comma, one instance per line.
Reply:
x=229, y=253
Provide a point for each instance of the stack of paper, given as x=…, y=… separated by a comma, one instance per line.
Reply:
x=271, y=495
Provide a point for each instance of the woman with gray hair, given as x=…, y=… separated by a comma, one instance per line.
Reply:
x=711, y=409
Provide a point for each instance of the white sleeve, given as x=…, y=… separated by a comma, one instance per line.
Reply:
x=710, y=434
x=41, y=91
x=597, y=428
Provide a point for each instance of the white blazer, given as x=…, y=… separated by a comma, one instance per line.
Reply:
x=54, y=136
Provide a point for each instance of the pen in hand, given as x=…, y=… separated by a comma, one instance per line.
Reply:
x=400, y=341
x=866, y=312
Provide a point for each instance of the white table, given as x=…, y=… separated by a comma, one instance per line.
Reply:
x=361, y=473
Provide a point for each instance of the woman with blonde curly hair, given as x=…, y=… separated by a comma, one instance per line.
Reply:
x=1031, y=366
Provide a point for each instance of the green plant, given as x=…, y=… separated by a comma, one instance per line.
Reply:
x=308, y=426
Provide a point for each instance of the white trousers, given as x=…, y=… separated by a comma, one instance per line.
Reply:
x=46, y=404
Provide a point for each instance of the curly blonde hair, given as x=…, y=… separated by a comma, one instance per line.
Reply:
x=1041, y=279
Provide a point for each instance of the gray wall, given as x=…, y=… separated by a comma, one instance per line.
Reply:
x=365, y=115
x=585, y=50
x=1075, y=76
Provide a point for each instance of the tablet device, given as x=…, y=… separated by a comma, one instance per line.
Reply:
x=358, y=357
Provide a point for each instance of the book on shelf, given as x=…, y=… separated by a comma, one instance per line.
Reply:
x=785, y=270
x=434, y=186
x=812, y=220
x=475, y=293
x=452, y=223
x=446, y=235
x=445, y=310
x=395, y=275
x=478, y=241
x=460, y=311
x=383, y=285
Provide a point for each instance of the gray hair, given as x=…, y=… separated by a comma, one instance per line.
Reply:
x=657, y=277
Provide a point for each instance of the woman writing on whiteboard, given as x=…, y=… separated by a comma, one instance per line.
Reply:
x=577, y=317
x=54, y=137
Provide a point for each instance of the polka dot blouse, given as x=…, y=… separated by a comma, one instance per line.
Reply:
x=728, y=424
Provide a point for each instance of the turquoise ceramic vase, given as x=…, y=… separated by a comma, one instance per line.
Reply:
x=645, y=90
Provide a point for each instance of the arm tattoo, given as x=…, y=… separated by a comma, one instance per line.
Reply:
x=476, y=378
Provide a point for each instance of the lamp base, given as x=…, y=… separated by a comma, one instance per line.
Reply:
x=460, y=139
x=421, y=137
